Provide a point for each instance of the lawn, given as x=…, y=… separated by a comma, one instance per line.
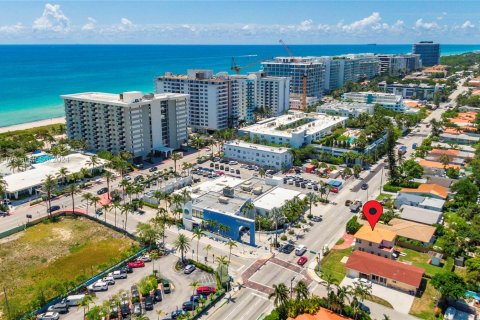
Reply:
x=423, y=307
x=48, y=259
x=331, y=264
x=382, y=196
x=420, y=259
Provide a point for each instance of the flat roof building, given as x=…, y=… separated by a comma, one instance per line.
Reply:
x=130, y=121
x=420, y=215
x=421, y=91
x=346, y=109
x=260, y=155
x=385, y=100
x=429, y=52
x=294, y=129
x=276, y=198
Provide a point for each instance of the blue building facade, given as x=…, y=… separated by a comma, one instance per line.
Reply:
x=233, y=222
x=429, y=52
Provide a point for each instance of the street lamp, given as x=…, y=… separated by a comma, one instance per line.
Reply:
x=291, y=286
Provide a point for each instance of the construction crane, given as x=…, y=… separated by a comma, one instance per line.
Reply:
x=303, y=100
x=235, y=67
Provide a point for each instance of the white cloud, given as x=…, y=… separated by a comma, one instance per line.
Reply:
x=372, y=21
x=467, y=25
x=12, y=29
x=126, y=23
x=90, y=25
x=442, y=15
x=305, y=25
x=423, y=25
x=52, y=20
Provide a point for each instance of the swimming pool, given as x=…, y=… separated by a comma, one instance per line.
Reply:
x=472, y=294
x=43, y=158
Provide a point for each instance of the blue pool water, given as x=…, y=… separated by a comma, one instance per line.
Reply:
x=43, y=158
x=472, y=294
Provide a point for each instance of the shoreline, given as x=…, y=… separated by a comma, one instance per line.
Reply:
x=33, y=124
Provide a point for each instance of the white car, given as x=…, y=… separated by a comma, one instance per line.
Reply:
x=364, y=282
x=109, y=280
x=117, y=275
x=48, y=316
x=98, y=286
x=232, y=163
x=145, y=258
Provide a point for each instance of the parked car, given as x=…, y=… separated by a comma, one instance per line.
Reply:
x=348, y=203
x=189, y=305
x=166, y=286
x=355, y=206
x=127, y=177
x=61, y=307
x=98, y=286
x=74, y=300
x=302, y=260
x=364, y=308
x=48, y=316
x=189, y=269
x=232, y=163
x=126, y=269
x=153, y=169
x=102, y=191
x=361, y=281
x=53, y=208
x=157, y=295
x=205, y=290
x=286, y=248
x=177, y=313
x=125, y=308
x=334, y=190
x=148, y=303
x=316, y=219
x=137, y=309
x=300, y=250
x=145, y=258
x=364, y=186
x=237, y=171
x=136, y=264
x=109, y=280
x=197, y=297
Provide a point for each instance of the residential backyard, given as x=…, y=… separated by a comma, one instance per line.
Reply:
x=331, y=264
x=50, y=258
x=421, y=259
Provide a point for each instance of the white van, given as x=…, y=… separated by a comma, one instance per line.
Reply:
x=117, y=275
x=300, y=250
x=98, y=286
x=74, y=300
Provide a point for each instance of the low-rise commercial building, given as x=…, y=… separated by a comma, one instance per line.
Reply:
x=386, y=100
x=384, y=271
x=346, y=109
x=276, y=198
x=376, y=242
x=294, y=129
x=260, y=155
x=420, y=91
x=133, y=122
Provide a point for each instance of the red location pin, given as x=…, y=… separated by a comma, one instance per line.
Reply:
x=372, y=210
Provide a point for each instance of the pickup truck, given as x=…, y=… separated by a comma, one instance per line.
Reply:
x=355, y=206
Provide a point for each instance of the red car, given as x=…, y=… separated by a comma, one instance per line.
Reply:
x=302, y=260
x=136, y=264
x=334, y=190
x=205, y=290
x=219, y=172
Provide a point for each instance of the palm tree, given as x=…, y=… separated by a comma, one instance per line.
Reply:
x=159, y=313
x=194, y=285
x=183, y=244
x=106, y=208
x=95, y=200
x=230, y=244
x=175, y=157
x=154, y=256
x=125, y=209
x=330, y=280
x=93, y=162
x=280, y=294
x=3, y=187
x=85, y=303
x=197, y=233
x=108, y=175
x=359, y=293
x=222, y=261
x=312, y=200
x=276, y=214
x=115, y=205
x=301, y=290
x=176, y=201
x=49, y=186
x=72, y=190
x=207, y=248
x=87, y=197
x=63, y=174
x=261, y=172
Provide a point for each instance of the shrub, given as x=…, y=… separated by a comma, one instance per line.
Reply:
x=34, y=202
x=291, y=232
x=309, y=216
x=389, y=188
x=283, y=237
x=201, y=266
x=352, y=225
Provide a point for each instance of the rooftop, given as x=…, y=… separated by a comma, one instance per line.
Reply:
x=409, y=229
x=123, y=99
x=428, y=188
x=275, y=198
x=436, y=165
x=433, y=203
x=371, y=264
x=316, y=122
x=376, y=235
x=216, y=201
x=420, y=215
x=260, y=147
x=345, y=105
x=322, y=314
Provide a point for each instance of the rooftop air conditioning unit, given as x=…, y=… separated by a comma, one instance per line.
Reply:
x=223, y=200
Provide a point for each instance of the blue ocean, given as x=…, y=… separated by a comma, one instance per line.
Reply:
x=32, y=77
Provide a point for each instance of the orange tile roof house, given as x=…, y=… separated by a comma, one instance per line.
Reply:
x=378, y=241
x=387, y=272
x=322, y=314
x=436, y=165
x=431, y=190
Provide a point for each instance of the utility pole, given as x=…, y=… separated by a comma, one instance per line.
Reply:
x=291, y=287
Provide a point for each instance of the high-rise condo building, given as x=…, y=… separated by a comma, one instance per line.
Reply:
x=429, y=52
x=221, y=101
x=398, y=64
x=296, y=68
x=351, y=67
x=130, y=121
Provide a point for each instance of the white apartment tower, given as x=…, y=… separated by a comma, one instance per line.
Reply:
x=131, y=121
x=272, y=93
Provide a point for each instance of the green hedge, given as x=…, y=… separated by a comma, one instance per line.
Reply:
x=389, y=188
x=201, y=266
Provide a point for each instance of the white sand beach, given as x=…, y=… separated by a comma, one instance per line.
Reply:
x=33, y=124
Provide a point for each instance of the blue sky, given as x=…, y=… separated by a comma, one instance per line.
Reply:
x=240, y=22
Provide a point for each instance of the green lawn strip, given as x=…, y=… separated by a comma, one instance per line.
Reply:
x=379, y=300
x=420, y=259
x=331, y=263
x=423, y=307
x=382, y=196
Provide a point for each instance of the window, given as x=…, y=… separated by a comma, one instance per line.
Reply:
x=369, y=244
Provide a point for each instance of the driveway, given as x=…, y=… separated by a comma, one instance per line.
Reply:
x=401, y=302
